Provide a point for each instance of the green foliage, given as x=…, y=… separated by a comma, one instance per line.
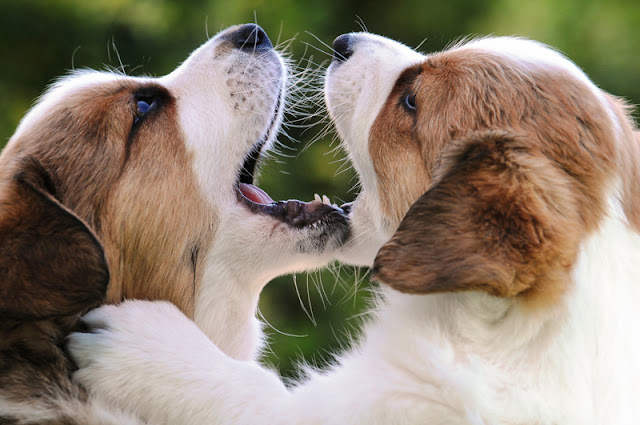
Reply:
x=45, y=39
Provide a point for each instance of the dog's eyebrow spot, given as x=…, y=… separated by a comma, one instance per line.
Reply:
x=151, y=94
x=146, y=101
x=408, y=76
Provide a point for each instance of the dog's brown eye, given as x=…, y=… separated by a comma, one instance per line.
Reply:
x=409, y=102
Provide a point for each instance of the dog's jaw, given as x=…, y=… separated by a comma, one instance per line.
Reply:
x=251, y=87
x=354, y=100
x=227, y=102
x=236, y=269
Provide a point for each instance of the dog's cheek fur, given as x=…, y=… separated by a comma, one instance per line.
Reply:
x=397, y=157
x=155, y=209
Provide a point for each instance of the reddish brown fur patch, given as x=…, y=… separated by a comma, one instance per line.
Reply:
x=396, y=150
x=516, y=231
x=135, y=189
x=153, y=236
x=500, y=220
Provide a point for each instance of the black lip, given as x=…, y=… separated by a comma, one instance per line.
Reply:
x=346, y=208
x=298, y=214
x=250, y=162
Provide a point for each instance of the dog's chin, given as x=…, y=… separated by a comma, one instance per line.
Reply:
x=321, y=225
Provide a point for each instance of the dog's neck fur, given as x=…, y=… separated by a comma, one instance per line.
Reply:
x=226, y=306
x=478, y=341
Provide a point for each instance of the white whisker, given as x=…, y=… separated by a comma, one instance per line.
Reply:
x=276, y=329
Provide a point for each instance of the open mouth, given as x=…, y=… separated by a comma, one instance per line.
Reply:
x=292, y=212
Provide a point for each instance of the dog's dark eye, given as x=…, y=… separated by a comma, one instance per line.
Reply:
x=143, y=105
x=409, y=102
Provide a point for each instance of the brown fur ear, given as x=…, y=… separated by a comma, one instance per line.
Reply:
x=51, y=263
x=501, y=218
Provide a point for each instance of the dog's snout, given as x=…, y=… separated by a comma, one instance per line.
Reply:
x=342, y=47
x=251, y=37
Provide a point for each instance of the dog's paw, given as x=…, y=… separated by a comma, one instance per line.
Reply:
x=133, y=352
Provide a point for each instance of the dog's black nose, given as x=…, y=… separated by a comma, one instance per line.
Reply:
x=251, y=37
x=342, y=47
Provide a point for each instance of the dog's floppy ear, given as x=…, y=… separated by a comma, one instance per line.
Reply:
x=51, y=263
x=500, y=218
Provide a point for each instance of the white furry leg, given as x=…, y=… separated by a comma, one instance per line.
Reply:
x=150, y=359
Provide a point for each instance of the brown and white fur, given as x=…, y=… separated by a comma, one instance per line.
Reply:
x=115, y=187
x=508, y=184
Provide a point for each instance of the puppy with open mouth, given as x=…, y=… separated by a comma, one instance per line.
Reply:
x=500, y=211
x=115, y=187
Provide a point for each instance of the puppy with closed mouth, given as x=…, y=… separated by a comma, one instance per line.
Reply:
x=500, y=210
x=117, y=187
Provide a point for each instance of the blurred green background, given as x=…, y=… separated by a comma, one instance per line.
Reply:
x=310, y=315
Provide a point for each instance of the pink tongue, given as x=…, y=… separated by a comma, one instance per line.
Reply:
x=255, y=194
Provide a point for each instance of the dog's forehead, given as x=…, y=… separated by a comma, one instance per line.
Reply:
x=529, y=54
x=85, y=81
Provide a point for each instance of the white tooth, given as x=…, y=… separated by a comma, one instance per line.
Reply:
x=325, y=200
x=334, y=205
x=316, y=197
